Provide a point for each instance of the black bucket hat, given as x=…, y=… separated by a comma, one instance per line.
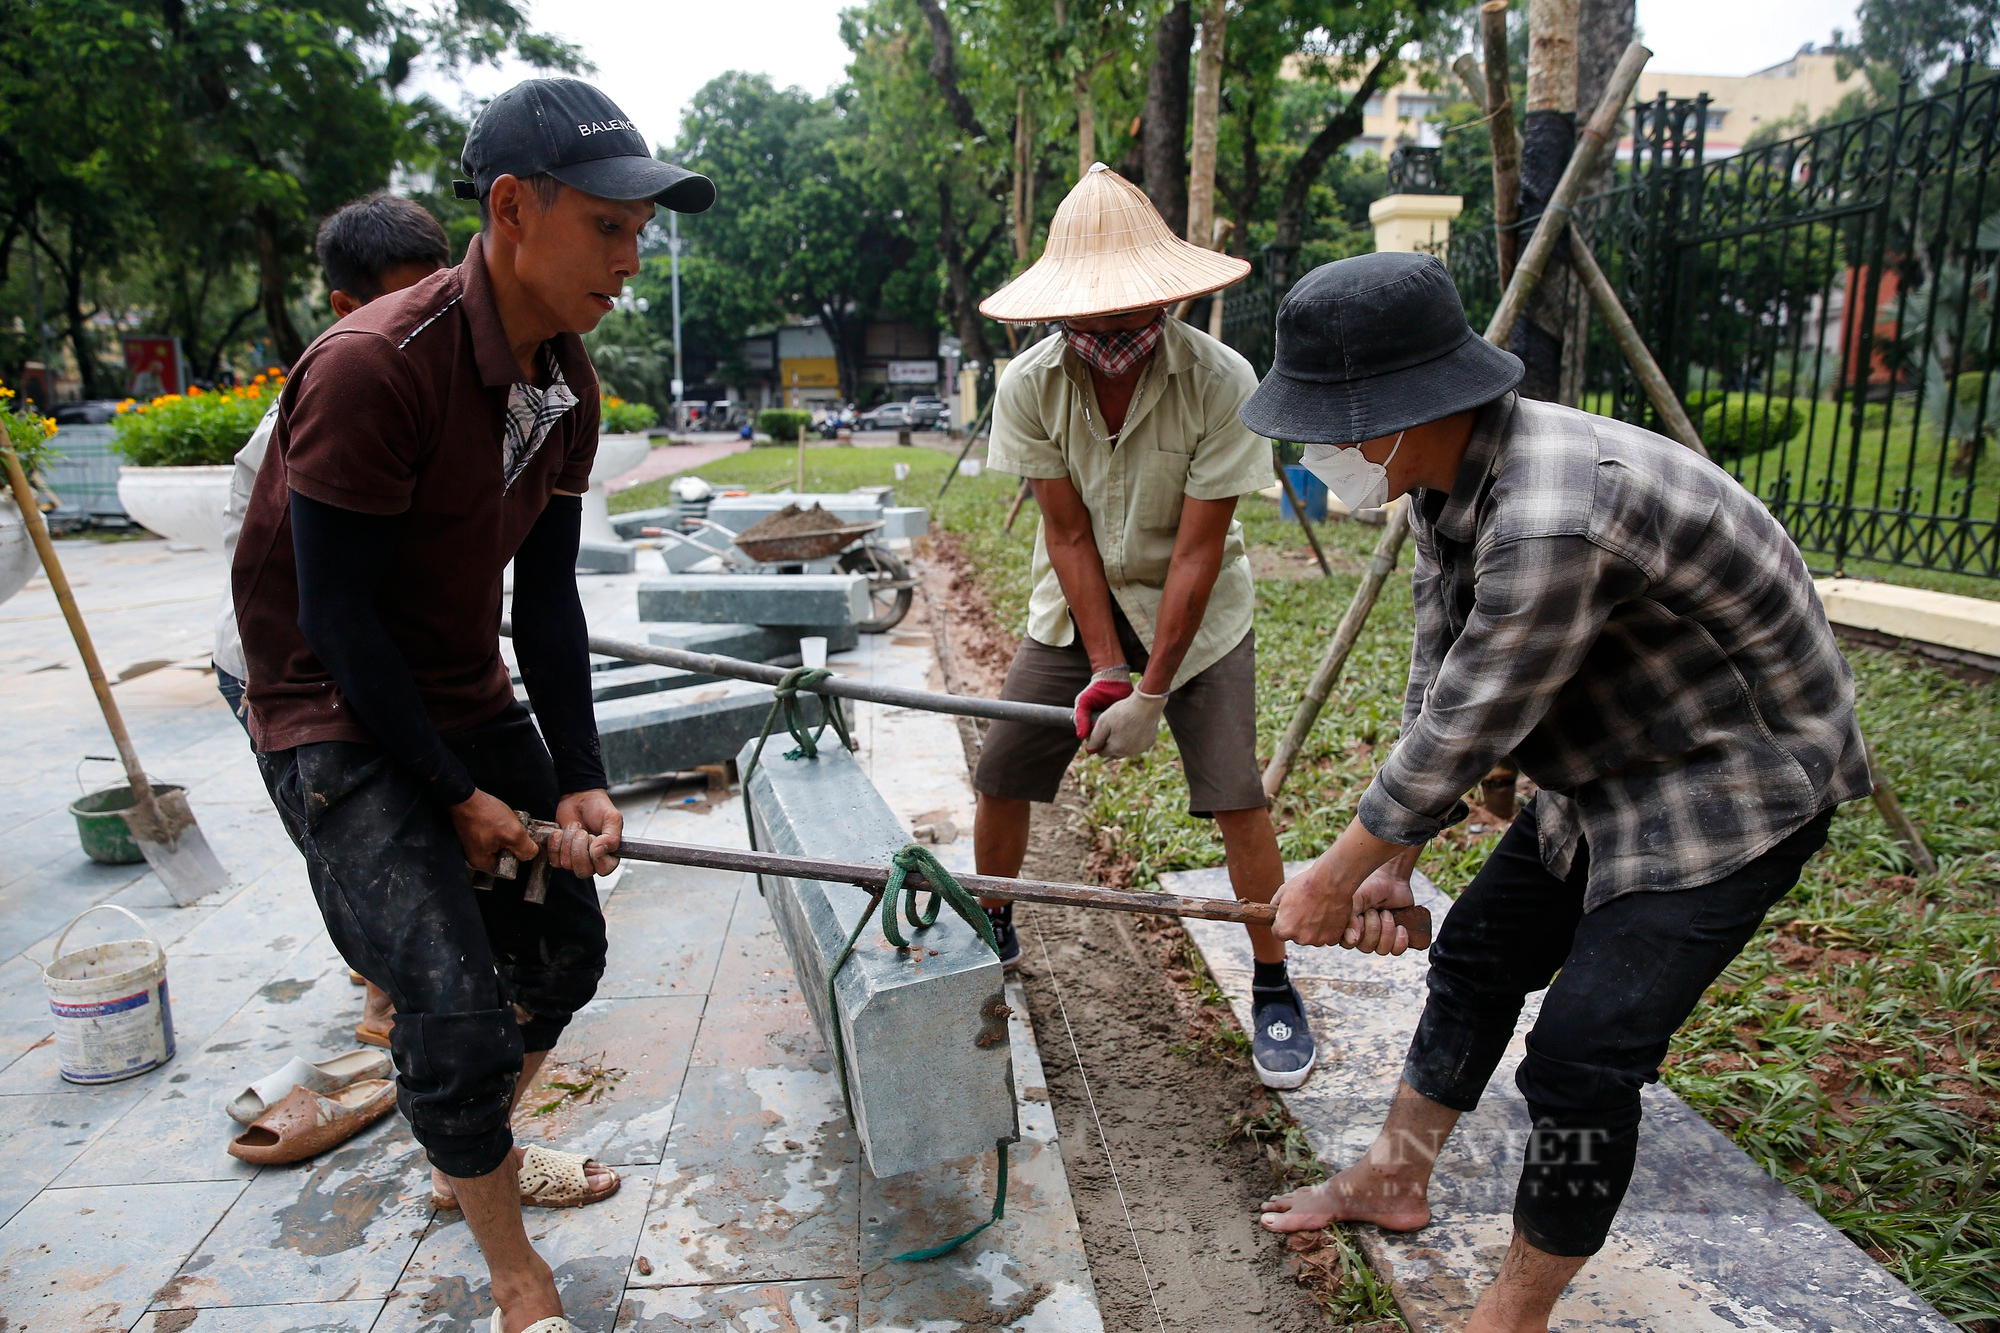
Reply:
x=1372, y=345
x=572, y=131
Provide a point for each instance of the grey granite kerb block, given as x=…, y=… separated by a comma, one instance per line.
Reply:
x=756, y=599
x=929, y=1063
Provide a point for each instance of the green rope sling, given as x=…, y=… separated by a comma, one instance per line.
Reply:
x=901, y=892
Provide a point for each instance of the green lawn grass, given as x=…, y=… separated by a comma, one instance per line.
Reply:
x=1853, y=1049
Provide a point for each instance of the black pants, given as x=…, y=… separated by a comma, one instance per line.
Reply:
x=1625, y=977
x=478, y=976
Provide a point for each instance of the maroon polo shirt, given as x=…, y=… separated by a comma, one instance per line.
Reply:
x=400, y=409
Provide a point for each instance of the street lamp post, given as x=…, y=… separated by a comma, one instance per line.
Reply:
x=674, y=269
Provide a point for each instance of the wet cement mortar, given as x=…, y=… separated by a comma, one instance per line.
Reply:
x=1166, y=1101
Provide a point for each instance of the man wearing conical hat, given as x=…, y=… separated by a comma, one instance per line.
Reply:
x=1124, y=422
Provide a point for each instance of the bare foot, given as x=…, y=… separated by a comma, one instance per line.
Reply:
x=1362, y=1193
x=595, y=1174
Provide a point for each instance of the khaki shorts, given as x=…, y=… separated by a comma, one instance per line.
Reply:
x=1213, y=717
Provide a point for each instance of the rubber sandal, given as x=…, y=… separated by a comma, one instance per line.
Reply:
x=307, y=1123
x=553, y=1324
x=323, y=1076
x=550, y=1179
x=367, y=1038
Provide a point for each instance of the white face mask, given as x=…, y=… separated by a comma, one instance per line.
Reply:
x=1359, y=483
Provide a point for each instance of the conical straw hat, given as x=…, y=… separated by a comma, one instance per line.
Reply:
x=1109, y=250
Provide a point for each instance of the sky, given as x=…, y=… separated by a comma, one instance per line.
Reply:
x=651, y=58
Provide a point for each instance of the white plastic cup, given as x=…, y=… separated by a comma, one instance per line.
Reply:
x=902, y=472
x=812, y=650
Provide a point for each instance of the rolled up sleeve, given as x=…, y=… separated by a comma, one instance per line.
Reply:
x=1539, y=605
x=1022, y=443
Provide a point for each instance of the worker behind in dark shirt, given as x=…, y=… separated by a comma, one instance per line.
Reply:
x=421, y=444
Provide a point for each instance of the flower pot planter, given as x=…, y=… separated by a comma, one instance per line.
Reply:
x=616, y=455
x=18, y=561
x=182, y=504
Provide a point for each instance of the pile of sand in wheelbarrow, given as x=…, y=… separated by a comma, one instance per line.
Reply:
x=792, y=521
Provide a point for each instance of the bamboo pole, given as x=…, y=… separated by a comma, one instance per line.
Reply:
x=1893, y=815
x=1020, y=498
x=1417, y=920
x=1555, y=218
x=1637, y=355
x=1506, y=139
x=1345, y=635
x=1473, y=77
x=1299, y=508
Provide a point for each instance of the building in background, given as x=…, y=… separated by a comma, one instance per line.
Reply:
x=1790, y=95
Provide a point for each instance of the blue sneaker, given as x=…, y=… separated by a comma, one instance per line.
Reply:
x=1281, y=1043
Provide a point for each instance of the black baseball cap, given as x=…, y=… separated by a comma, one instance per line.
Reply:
x=571, y=131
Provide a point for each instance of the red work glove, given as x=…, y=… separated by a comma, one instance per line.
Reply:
x=1106, y=688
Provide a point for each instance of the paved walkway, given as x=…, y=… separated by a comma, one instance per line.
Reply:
x=1706, y=1241
x=666, y=460
x=744, y=1205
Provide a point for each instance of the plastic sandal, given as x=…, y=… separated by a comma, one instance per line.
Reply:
x=367, y=1038
x=324, y=1076
x=306, y=1123
x=553, y=1324
x=551, y=1179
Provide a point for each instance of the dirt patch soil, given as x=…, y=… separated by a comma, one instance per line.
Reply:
x=1112, y=1005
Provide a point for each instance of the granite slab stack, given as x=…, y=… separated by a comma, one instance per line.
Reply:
x=927, y=1053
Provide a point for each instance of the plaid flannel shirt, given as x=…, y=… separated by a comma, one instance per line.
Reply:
x=1640, y=633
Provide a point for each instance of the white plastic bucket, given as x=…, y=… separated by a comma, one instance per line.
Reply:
x=113, y=1020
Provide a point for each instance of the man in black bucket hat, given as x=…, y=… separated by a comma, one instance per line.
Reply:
x=1635, y=627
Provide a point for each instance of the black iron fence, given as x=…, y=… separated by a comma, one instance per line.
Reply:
x=1826, y=308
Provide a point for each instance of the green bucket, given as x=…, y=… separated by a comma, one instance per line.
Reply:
x=106, y=837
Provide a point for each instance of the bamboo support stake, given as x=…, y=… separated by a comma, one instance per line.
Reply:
x=1473, y=77
x=1898, y=821
x=1637, y=354
x=1020, y=498
x=1555, y=218
x=1506, y=140
x=1345, y=635
x=1299, y=508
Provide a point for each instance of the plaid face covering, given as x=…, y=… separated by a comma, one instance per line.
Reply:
x=1114, y=354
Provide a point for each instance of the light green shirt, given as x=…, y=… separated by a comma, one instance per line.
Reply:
x=1181, y=438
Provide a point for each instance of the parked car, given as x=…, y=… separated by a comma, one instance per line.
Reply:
x=93, y=412
x=927, y=411
x=889, y=416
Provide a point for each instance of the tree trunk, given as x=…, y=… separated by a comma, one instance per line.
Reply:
x=1207, y=123
x=965, y=316
x=1344, y=125
x=286, y=344
x=1086, y=125
x=1021, y=204
x=1604, y=30
x=1243, y=200
x=1165, y=119
x=1548, y=136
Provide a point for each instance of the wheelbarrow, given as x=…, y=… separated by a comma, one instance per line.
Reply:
x=845, y=548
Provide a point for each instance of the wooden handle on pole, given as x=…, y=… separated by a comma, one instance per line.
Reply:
x=1555, y=218
x=38, y=532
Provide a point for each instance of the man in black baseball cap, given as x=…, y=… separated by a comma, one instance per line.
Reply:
x=1639, y=632
x=569, y=130
x=423, y=442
